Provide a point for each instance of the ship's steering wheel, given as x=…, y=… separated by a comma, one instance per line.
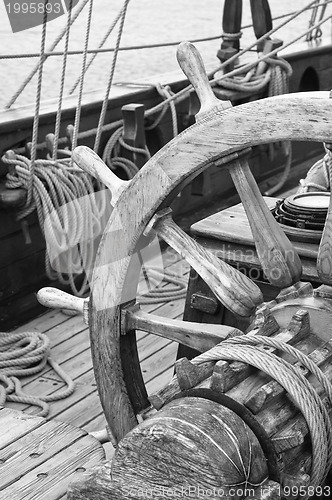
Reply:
x=222, y=136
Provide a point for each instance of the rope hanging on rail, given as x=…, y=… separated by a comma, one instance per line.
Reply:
x=112, y=151
x=22, y=355
x=252, y=349
x=72, y=215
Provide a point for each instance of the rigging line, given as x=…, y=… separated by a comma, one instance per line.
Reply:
x=109, y=31
x=80, y=94
x=100, y=50
x=105, y=103
x=46, y=54
x=62, y=84
x=265, y=36
x=183, y=93
x=236, y=71
x=269, y=55
x=37, y=108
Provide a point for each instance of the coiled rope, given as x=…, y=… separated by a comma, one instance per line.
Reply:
x=251, y=349
x=71, y=214
x=24, y=354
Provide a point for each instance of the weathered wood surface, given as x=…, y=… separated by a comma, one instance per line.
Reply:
x=57, y=299
x=146, y=448
x=238, y=293
x=278, y=257
x=279, y=260
x=90, y=162
x=192, y=66
x=188, y=333
x=39, y=458
x=173, y=450
x=232, y=226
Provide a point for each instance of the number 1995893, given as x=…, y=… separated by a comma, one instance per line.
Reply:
x=33, y=8
x=306, y=491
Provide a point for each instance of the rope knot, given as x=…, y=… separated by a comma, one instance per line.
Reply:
x=231, y=36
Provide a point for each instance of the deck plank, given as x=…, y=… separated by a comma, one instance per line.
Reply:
x=43, y=481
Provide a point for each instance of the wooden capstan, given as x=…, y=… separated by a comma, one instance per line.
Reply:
x=246, y=378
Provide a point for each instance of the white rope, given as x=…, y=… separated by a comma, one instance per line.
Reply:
x=71, y=216
x=24, y=354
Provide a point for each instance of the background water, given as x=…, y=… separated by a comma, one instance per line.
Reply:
x=147, y=21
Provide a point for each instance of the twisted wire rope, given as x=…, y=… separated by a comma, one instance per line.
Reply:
x=250, y=349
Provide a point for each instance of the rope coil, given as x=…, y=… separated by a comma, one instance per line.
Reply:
x=24, y=354
x=71, y=214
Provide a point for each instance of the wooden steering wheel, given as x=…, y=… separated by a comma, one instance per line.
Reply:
x=221, y=136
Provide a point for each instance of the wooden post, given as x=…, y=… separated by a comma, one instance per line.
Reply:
x=261, y=19
x=232, y=18
x=134, y=132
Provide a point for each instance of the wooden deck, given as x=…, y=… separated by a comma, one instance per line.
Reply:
x=70, y=347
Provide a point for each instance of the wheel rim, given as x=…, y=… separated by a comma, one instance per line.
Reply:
x=115, y=276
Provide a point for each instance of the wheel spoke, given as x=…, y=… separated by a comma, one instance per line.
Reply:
x=90, y=162
x=280, y=261
x=57, y=299
x=278, y=257
x=195, y=335
x=237, y=292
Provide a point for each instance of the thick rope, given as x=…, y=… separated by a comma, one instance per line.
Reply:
x=71, y=215
x=250, y=349
x=24, y=354
x=112, y=151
